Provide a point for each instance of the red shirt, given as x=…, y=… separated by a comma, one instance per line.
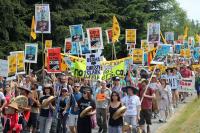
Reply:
x=186, y=73
x=147, y=102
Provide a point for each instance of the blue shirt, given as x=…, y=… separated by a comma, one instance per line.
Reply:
x=73, y=101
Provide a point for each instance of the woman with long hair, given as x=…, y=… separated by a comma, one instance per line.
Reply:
x=165, y=100
x=84, y=123
x=115, y=126
x=62, y=102
x=46, y=112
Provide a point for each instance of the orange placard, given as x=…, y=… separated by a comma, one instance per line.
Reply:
x=101, y=97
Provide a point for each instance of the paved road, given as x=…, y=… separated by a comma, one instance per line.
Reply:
x=155, y=123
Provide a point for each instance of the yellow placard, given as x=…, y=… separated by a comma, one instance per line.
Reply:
x=185, y=53
x=130, y=36
x=138, y=56
x=195, y=67
x=48, y=44
x=144, y=45
x=12, y=65
x=20, y=62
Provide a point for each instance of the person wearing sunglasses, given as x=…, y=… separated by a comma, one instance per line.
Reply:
x=84, y=123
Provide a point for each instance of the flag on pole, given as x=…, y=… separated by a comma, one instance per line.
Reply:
x=33, y=34
x=115, y=30
x=185, y=32
x=164, y=41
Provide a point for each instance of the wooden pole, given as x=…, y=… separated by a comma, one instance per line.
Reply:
x=148, y=83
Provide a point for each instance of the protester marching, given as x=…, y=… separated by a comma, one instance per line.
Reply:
x=80, y=91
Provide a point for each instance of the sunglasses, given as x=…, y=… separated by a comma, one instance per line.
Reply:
x=84, y=92
x=76, y=86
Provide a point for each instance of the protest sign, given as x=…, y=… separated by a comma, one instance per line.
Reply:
x=95, y=38
x=195, y=54
x=185, y=44
x=84, y=47
x=185, y=53
x=54, y=60
x=191, y=41
x=109, y=35
x=144, y=45
x=68, y=45
x=153, y=32
x=138, y=56
x=75, y=49
x=110, y=71
x=145, y=59
x=93, y=64
x=12, y=66
x=169, y=37
x=76, y=32
x=177, y=49
x=31, y=50
x=48, y=44
x=187, y=85
x=180, y=39
x=130, y=36
x=195, y=67
x=151, y=55
x=42, y=18
x=3, y=68
x=161, y=54
x=20, y=61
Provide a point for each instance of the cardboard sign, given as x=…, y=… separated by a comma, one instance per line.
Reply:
x=93, y=64
x=31, y=50
x=169, y=37
x=20, y=61
x=12, y=65
x=67, y=45
x=161, y=54
x=76, y=32
x=109, y=35
x=130, y=36
x=54, y=60
x=95, y=39
x=187, y=85
x=42, y=18
x=153, y=32
x=144, y=45
x=48, y=44
x=138, y=55
x=3, y=68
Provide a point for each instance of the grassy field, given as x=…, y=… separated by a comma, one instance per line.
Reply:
x=186, y=121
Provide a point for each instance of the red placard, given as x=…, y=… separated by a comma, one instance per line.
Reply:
x=54, y=60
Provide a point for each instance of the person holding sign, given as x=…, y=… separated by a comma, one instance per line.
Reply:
x=102, y=101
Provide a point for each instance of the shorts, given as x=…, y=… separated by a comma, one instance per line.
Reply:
x=72, y=120
x=131, y=120
x=33, y=120
x=145, y=117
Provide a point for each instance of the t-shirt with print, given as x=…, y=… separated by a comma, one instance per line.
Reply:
x=84, y=103
x=131, y=102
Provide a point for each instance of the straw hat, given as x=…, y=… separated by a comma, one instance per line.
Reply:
x=119, y=112
x=24, y=88
x=85, y=111
x=13, y=105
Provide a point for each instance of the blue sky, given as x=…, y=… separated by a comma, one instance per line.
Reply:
x=192, y=7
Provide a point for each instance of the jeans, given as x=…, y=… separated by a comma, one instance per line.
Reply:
x=62, y=123
x=131, y=120
x=45, y=124
x=117, y=129
x=102, y=119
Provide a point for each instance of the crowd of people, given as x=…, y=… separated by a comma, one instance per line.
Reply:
x=62, y=103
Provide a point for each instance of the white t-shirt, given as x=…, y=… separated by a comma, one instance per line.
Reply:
x=2, y=97
x=131, y=103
